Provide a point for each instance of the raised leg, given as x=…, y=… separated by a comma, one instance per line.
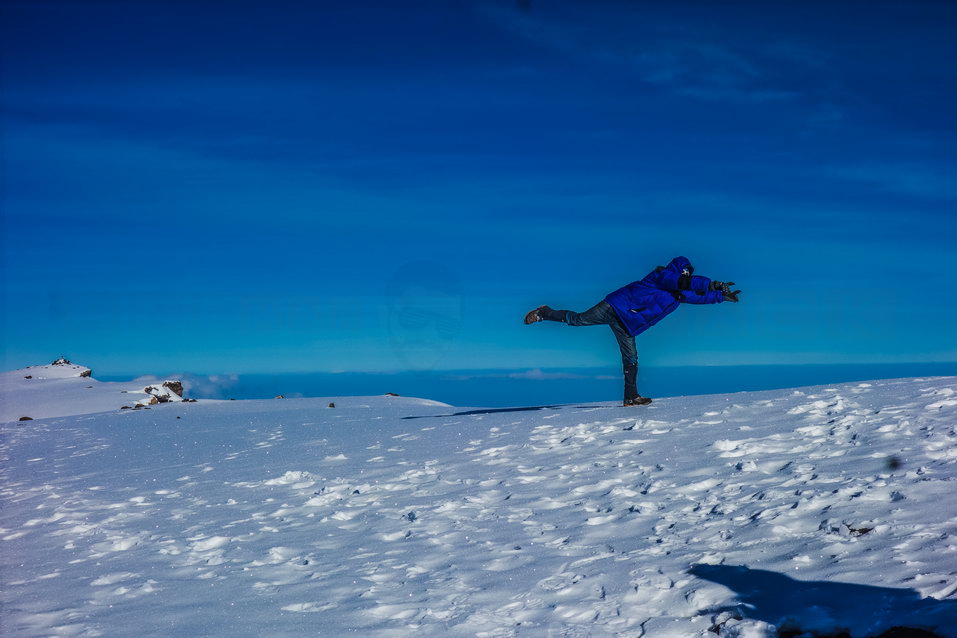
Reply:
x=602, y=313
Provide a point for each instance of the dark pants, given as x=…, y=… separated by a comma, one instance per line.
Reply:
x=604, y=314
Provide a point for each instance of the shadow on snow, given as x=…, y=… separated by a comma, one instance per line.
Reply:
x=826, y=607
x=517, y=409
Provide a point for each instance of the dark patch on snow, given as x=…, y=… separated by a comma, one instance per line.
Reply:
x=769, y=596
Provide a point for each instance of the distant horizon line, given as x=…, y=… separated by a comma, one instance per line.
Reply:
x=443, y=371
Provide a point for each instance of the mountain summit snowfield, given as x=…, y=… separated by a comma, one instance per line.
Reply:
x=65, y=389
x=809, y=511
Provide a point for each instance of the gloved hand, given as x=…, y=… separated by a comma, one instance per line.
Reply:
x=723, y=286
x=732, y=296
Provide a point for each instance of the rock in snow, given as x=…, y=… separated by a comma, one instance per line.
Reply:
x=823, y=511
x=168, y=391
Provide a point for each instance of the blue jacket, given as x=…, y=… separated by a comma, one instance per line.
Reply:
x=642, y=304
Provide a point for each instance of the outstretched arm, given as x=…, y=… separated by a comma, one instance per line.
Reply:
x=724, y=287
x=700, y=296
x=673, y=282
x=678, y=278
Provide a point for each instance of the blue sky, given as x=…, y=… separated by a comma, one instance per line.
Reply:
x=285, y=186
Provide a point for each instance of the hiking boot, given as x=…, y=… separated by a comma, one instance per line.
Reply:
x=639, y=400
x=535, y=316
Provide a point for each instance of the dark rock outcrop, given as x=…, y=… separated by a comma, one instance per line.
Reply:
x=168, y=391
x=176, y=387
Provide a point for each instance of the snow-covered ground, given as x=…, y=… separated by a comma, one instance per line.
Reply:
x=821, y=509
x=66, y=389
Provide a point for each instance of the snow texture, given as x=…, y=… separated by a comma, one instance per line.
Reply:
x=821, y=509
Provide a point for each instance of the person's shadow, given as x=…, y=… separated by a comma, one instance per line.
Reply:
x=829, y=608
x=486, y=411
x=530, y=408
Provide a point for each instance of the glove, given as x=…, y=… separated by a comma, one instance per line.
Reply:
x=732, y=296
x=723, y=286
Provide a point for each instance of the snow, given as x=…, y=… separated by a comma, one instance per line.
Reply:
x=817, y=509
x=60, y=389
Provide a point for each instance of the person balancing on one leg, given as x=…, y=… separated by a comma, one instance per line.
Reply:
x=640, y=305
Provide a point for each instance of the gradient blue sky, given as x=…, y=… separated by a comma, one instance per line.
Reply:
x=357, y=186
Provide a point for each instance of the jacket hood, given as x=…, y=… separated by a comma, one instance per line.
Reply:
x=678, y=264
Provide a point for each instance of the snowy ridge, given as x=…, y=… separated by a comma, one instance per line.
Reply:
x=819, y=510
x=65, y=389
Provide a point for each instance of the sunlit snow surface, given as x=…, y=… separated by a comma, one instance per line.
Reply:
x=53, y=390
x=723, y=515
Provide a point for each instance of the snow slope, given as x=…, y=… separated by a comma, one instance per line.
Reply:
x=817, y=509
x=65, y=389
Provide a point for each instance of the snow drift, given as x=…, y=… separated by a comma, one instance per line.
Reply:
x=815, y=510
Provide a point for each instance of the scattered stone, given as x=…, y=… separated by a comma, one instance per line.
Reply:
x=893, y=462
x=126, y=407
x=279, y=396
x=411, y=516
x=26, y=418
x=391, y=394
x=177, y=417
x=155, y=398
x=86, y=373
x=332, y=405
x=62, y=361
x=29, y=376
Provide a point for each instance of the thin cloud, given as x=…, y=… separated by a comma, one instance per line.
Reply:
x=692, y=64
x=198, y=386
x=912, y=180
